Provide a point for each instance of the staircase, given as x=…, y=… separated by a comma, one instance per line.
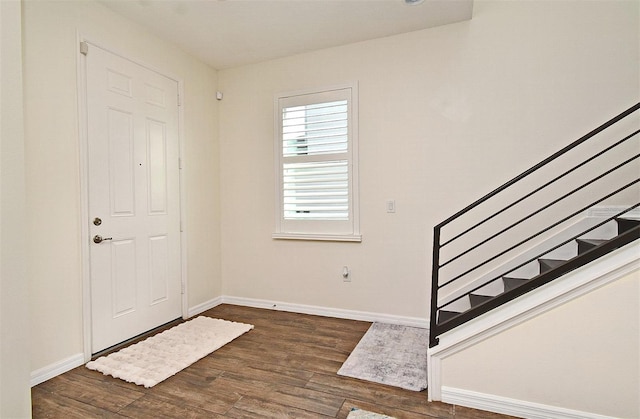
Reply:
x=536, y=216
x=588, y=247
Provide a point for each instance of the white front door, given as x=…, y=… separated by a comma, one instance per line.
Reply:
x=134, y=205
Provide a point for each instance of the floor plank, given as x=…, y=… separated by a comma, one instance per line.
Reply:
x=372, y=393
x=51, y=405
x=101, y=394
x=151, y=406
x=286, y=367
x=259, y=408
x=197, y=391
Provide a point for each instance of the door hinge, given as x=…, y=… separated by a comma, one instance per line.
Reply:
x=182, y=288
x=179, y=163
x=84, y=48
x=179, y=100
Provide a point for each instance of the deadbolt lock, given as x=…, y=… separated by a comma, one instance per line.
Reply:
x=97, y=221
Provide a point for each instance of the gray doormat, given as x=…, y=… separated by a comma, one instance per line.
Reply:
x=364, y=414
x=390, y=354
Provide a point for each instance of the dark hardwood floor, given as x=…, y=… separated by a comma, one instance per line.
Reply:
x=284, y=368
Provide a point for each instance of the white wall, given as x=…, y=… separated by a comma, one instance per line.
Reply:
x=446, y=115
x=15, y=393
x=583, y=356
x=53, y=167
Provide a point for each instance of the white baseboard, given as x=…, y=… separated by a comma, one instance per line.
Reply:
x=43, y=374
x=308, y=309
x=202, y=307
x=328, y=311
x=513, y=407
x=74, y=361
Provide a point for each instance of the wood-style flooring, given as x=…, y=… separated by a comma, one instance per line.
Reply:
x=284, y=368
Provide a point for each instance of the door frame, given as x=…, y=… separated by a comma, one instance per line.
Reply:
x=83, y=140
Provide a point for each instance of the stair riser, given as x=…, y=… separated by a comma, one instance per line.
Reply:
x=476, y=300
x=547, y=265
x=626, y=224
x=512, y=283
x=584, y=247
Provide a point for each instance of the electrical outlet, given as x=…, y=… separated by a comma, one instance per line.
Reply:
x=391, y=206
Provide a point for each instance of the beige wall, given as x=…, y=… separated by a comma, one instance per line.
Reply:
x=446, y=115
x=584, y=356
x=53, y=163
x=14, y=303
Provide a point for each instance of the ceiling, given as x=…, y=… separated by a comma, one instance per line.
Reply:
x=230, y=33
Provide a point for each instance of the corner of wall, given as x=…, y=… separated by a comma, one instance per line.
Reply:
x=15, y=397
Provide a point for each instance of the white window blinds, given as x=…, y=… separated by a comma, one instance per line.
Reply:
x=315, y=156
x=316, y=190
x=315, y=129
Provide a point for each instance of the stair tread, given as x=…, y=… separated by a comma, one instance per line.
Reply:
x=450, y=312
x=553, y=262
x=593, y=241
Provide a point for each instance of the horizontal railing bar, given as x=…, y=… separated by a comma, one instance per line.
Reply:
x=542, y=279
x=543, y=163
x=538, y=211
x=539, y=233
x=539, y=255
x=540, y=188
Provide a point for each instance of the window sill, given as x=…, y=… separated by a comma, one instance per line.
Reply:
x=318, y=237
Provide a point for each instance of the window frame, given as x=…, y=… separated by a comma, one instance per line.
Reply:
x=323, y=230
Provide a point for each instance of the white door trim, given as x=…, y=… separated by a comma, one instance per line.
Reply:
x=83, y=139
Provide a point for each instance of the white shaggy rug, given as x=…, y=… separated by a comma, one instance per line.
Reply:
x=157, y=358
x=390, y=354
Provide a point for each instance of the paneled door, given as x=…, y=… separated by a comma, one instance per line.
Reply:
x=134, y=204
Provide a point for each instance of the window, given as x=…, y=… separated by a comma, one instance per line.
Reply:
x=316, y=160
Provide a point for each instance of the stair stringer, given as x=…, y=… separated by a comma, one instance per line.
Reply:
x=574, y=284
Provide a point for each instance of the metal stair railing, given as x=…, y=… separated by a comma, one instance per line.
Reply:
x=490, y=251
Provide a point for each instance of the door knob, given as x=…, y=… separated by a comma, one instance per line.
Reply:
x=99, y=239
